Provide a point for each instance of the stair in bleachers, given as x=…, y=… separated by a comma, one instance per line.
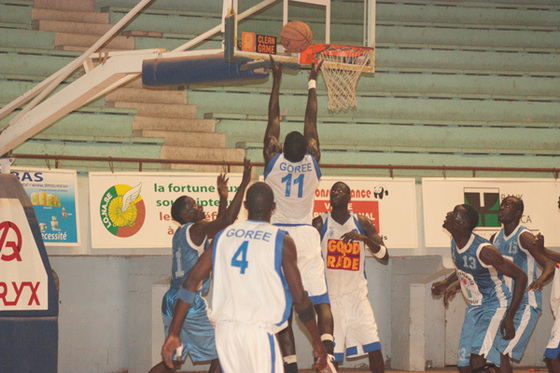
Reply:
x=66, y=5
x=164, y=113
x=17, y=13
x=45, y=14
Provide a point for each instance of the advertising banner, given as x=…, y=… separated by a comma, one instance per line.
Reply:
x=133, y=210
x=53, y=194
x=389, y=203
x=23, y=279
x=540, y=197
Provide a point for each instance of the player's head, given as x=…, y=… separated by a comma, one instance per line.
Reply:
x=295, y=146
x=463, y=218
x=259, y=201
x=185, y=209
x=511, y=210
x=340, y=195
x=471, y=215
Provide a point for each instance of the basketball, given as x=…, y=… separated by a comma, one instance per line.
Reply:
x=296, y=36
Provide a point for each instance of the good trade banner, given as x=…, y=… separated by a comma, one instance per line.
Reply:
x=53, y=194
x=540, y=197
x=133, y=210
x=389, y=203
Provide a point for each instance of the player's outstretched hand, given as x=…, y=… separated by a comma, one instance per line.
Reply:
x=276, y=69
x=352, y=236
x=536, y=285
x=315, y=70
x=439, y=287
x=321, y=355
x=171, y=344
x=507, y=328
x=449, y=294
x=539, y=243
x=247, y=167
x=222, y=183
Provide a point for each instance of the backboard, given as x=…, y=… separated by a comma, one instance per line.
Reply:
x=251, y=27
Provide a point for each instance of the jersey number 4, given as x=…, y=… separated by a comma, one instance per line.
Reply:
x=240, y=257
x=298, y=180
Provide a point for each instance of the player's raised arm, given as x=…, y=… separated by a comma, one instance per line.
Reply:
x=222, y=186
x=302, y=303
x=185, y=297
x=271, y=144
x=489, y=255
x=310, y=127
x=202, y=229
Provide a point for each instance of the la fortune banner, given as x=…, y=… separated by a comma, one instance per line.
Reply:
x=540, y=197
x=133, y=210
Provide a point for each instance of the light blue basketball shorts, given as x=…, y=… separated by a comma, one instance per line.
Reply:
x=525, y=321
x=197, y=332
x=481, y=335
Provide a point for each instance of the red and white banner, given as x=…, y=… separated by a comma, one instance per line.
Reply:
x=23, y=279
x=540, y=197
x=389, y=203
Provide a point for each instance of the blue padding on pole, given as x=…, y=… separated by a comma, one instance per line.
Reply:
x=195, y=70
x=29, y=344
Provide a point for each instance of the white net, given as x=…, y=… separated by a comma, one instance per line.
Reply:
x=341, y=69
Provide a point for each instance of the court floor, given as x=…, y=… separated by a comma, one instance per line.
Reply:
x=439, y=370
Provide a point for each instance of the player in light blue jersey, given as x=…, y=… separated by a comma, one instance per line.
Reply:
x=189, y=243
x=256, y=279
x=517, y=243
x=491, y=307
x=292, y=171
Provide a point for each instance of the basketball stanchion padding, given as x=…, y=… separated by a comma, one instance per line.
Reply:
x=196, y=70
x=296, y=36
x=28, y=294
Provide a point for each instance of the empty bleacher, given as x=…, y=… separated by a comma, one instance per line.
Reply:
x=38, y=38
x=457, y=83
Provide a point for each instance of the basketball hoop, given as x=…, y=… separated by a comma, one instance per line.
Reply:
x=341, y=69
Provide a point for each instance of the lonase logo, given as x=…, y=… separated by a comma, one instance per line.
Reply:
x=122, y=210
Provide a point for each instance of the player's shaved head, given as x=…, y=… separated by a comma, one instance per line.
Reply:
x=341, y=184
x=295, y=146
x=517, y=203
x=260, y=200
x=471, y=215
x=181, y=204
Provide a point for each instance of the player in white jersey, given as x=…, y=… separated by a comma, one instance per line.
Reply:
x=517, y=243
x=552, y=352
x=489, y=317
x=344, y=238
x=189, y=243
x=292, y=171
x=255, y=281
